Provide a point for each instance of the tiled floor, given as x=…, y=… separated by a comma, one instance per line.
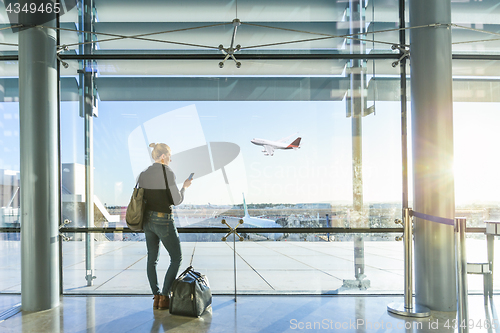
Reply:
x=341, y=313
x=262, y=267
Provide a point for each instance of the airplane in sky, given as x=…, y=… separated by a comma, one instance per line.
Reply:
x=270, y=146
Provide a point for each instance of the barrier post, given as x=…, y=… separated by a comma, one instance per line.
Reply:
x=461, y=262
x=408, y=309
x=408, y=253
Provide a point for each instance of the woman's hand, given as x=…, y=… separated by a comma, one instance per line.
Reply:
x=187, y=183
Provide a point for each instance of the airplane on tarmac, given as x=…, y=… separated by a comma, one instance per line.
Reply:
x=270, y=146
x=248, y=222
x=258, y=222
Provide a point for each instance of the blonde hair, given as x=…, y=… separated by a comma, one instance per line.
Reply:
x=158, y=150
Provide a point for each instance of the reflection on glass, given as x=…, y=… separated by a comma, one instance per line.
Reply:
x=10, y=262
x=265, y=26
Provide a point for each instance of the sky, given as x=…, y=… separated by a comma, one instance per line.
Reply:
x=320, y=171
x=476, y=141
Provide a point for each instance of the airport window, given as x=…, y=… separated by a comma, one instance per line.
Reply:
x=300, y=127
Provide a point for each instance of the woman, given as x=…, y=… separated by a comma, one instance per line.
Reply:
x=159, y=222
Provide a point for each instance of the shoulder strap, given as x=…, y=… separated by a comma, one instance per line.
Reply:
x=137, y=183
x=169, y=194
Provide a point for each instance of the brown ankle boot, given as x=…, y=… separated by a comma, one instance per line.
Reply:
x=156, y=301
x=164, y=302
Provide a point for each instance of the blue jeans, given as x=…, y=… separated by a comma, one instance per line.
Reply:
x=156, y=229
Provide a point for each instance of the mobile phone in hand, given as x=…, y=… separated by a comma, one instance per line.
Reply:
x=191, y=176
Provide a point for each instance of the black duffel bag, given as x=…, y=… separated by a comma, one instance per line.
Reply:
x=190, y=294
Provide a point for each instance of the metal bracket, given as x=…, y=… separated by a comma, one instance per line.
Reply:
x=62, y=225
x=89, y=277
x=232, y=230
x=405, y=53
x=61, y=48
x=398, y=238
x=361, y=283
x=229, y=52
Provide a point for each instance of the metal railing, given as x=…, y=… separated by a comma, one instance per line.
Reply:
x=222, y=230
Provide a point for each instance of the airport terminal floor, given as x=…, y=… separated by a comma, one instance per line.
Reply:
x=247, y=314
x=83, y=96
x=304, y=294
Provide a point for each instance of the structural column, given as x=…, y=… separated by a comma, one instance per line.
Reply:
x=39, y=168
x=356, y=109
x=88, y=111
x=432, y=141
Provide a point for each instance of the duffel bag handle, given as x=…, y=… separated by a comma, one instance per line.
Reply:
x=186, y=271
x=196, y=275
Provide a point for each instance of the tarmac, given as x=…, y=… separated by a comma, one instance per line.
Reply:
x=262, y=267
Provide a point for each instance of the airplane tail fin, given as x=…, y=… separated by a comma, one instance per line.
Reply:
x=245, y=206
x=295, y=144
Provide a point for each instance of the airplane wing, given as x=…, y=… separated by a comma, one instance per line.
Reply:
x=287, y=138
x=269, y=150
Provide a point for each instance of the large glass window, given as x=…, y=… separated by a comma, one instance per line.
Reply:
x=213, y=125
x=227, y=84
x=475, y=28
x=9, y=178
